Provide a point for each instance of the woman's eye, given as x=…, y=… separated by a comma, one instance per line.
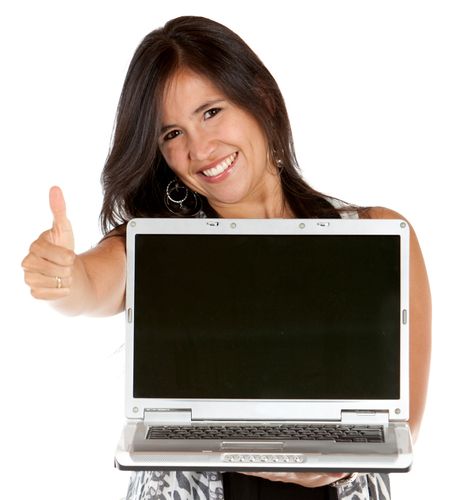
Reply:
x=212, y=112
x=171, y=135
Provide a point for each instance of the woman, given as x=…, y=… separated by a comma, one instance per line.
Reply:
x=202, y=130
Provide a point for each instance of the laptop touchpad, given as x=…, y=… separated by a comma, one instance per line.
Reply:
x=253, y=445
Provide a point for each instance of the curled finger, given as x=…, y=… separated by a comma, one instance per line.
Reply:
x=39, y=280
x=49, y=293
x=35, y=264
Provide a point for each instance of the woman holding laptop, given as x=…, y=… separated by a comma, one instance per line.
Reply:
x=202, y=131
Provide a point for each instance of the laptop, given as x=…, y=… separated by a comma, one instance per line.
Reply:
x=267, y=345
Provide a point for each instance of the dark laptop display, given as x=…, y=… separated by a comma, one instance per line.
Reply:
x=267, y=316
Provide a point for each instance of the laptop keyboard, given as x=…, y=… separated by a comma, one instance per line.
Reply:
x=337, y=433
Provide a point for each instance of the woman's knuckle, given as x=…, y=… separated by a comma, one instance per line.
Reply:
x=32, y=247
x=44, y=236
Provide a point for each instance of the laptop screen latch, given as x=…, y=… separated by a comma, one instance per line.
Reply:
x=167, y=416
x=363, y=417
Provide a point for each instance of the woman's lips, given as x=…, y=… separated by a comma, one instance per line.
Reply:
x=221, y=170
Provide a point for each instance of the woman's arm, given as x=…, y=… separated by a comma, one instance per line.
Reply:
x=90, y=283
x=420, y=323
x=98, y=281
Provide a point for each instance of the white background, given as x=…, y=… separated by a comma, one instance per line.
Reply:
x=367, y=87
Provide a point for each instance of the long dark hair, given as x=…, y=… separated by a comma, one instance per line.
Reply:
x=135, y=175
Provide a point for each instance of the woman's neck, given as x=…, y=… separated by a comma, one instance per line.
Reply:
x=270, y=206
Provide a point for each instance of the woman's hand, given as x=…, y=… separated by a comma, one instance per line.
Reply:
x=49, y=265
x=91, y=282
x=306, y=479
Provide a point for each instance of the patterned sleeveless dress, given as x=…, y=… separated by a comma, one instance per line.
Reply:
x=179, y=485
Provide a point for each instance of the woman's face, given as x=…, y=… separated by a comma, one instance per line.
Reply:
x=214, y=147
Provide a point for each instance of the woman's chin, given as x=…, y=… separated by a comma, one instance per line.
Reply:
x=227, y=201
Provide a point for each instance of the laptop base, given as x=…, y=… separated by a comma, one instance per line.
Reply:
x=135, y=452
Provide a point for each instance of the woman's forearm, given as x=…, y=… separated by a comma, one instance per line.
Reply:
x=98, y=282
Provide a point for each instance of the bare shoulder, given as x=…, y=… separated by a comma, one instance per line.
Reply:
x=381, y=213
x=113, y=242
x=112, y=246
x=107, y=258
x=387, y=213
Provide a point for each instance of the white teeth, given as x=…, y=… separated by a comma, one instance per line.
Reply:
x=212, y=172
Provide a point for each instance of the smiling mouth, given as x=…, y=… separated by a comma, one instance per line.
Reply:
x=219, y=169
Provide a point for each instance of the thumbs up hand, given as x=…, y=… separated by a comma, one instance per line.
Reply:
x=48, y=267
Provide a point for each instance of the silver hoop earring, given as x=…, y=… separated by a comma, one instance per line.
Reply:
x=172, y=189
x=180, y=200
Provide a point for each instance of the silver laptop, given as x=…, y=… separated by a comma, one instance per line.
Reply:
x=276, y=345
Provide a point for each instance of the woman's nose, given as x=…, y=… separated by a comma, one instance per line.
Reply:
x=201, y=147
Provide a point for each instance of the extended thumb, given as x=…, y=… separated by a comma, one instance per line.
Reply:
x=58, y=207
x=62, y=229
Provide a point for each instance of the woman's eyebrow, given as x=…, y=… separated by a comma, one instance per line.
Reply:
x=200, y=109
x=205, y=106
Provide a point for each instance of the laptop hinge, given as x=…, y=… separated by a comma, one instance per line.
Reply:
x=365, y=417
x=167, y=416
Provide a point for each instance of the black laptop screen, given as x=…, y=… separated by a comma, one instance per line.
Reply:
x=276, y=317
